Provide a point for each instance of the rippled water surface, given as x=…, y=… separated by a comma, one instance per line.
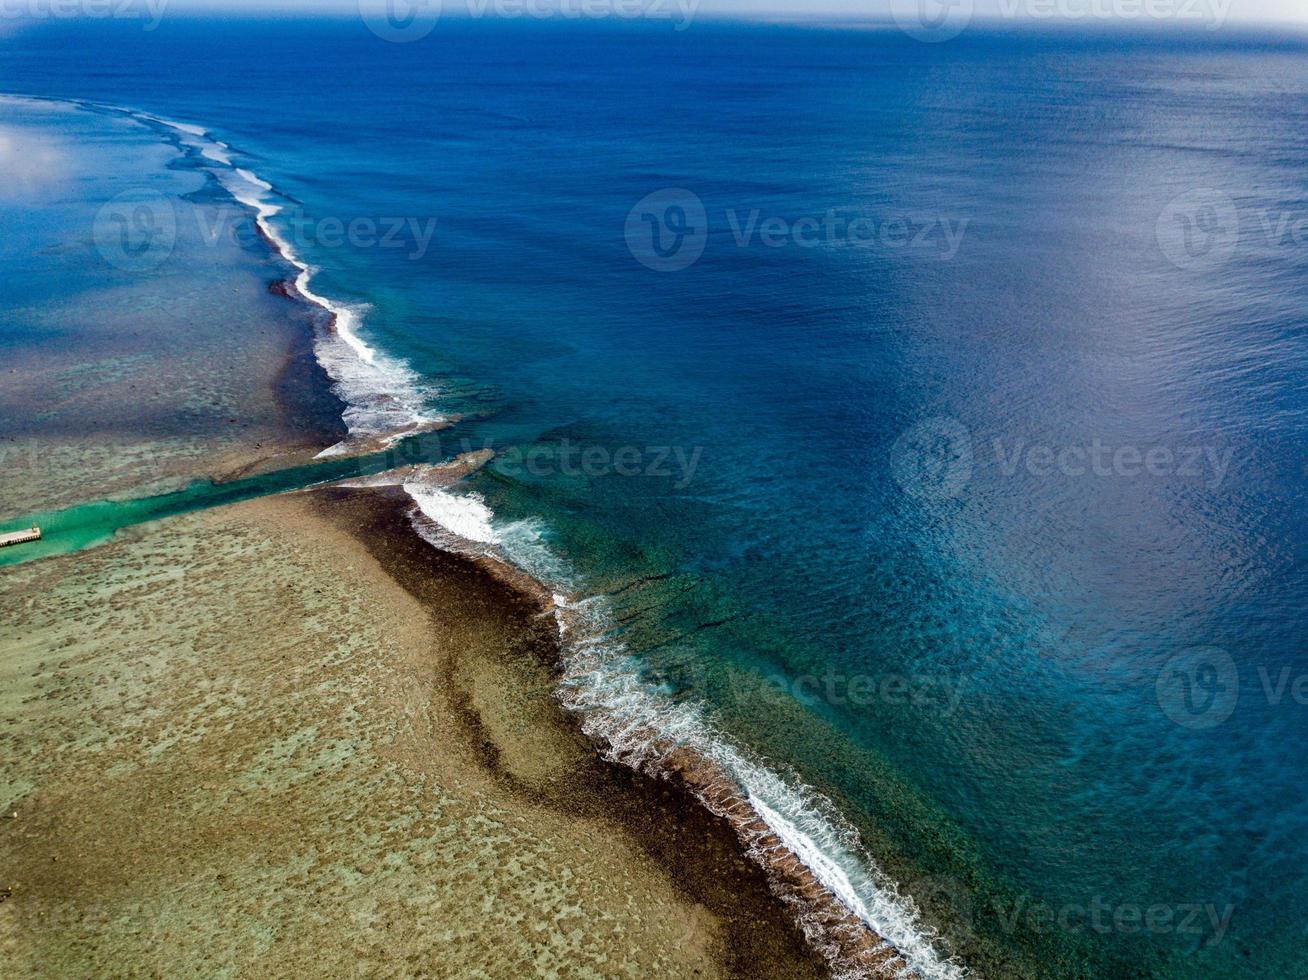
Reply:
x=929, y=415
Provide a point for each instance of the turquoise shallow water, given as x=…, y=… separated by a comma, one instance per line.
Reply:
x=94, y=522
x=976, y=507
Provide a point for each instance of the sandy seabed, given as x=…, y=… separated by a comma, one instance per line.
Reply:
x=289, y=737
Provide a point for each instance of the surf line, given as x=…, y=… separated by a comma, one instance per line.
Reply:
x=851, y=912
x=854, y=916
x=385, y=399
x=848, y=909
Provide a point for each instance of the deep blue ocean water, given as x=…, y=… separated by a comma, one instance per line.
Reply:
x=930, y=414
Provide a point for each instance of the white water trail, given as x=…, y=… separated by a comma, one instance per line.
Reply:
x=603, y=684
x=385, y=398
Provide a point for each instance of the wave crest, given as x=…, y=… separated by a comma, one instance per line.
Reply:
x=849, y=910
x=385, y=398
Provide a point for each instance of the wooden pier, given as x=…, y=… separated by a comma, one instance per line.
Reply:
x=20, y=537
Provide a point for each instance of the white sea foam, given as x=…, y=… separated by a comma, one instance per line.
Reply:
x=465, y=515
x=603, y=684
x=217, y=152
x=186, y=128
x=384, y=397
x=195, y=137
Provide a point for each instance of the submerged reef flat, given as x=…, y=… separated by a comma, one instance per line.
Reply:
x=144, y=342
x=290, y=731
